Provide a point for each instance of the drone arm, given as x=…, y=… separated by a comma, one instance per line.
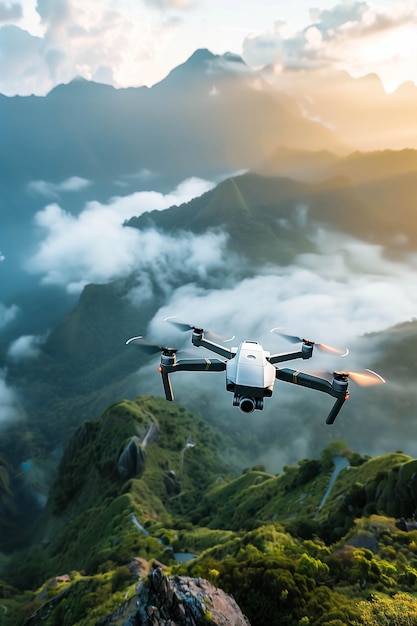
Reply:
x=338, y=388
x=200, y=365
x=199, y=340
x=189, y=365
x=306, y=352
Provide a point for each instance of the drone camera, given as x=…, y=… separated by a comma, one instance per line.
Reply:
x=247, y=405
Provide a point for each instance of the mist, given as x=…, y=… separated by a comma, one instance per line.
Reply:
x=8, y=401
x=338, y=295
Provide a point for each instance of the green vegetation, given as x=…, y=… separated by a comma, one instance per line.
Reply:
x=285, y=555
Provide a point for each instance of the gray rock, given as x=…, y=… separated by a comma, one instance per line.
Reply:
x=131, y=459
x=183, y=601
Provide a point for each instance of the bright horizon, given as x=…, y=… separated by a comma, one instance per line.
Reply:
x=129, y=43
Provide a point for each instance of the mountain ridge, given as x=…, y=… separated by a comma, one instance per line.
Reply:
x=254, y=523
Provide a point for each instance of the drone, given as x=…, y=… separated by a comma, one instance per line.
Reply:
x=252, y=371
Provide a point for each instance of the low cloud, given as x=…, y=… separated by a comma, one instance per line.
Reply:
x=335, y=297
x=53, y=190
x=7, y=314
x=95, y=246
x=26, y=347
x=331, y=297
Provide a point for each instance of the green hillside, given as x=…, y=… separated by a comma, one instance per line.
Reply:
x=271, y=218
x=130, y=490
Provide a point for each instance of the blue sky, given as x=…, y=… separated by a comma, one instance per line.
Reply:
x=137, y=42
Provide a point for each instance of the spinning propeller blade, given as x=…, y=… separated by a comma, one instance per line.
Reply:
x=364, y=378
x=321, y=346
x=147, y=346
x=184, y=327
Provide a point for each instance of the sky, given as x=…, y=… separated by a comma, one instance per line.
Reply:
x=137, y=42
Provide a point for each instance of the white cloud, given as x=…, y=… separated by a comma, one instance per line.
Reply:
x=353, y=36
x=319, y=297
x=7, y=314
x=26, y=347
x=10, y=12
x=2, y=257
x=131, y=44
x=95, y=246
x=115, y=43
x=334, y=297
x=54, y=190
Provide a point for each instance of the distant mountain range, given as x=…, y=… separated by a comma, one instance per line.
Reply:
x=354, y=195
x=210, y=117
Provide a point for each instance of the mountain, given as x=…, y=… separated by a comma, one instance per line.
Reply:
x=142, y=487
x=358, y=110
x=262, y=214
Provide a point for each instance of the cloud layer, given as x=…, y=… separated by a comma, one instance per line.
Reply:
x=130, y=44
x=95, y=246
x=352, y=36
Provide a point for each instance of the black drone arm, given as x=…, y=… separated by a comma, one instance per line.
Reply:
x=199, y=340
x=199, y=365
x=306, y=352
x=188, y=365
x=338, y=388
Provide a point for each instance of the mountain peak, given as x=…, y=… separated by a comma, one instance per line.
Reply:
x=202, y=62
x=201, y=55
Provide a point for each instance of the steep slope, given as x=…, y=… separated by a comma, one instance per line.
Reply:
x=271, y=219
x=273, y=542
x=132, y=461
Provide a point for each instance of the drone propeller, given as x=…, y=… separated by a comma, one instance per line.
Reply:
x=184, y=327
x=150, y=348
x=364, y=378
x=321, y=346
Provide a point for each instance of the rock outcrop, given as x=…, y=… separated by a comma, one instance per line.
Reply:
x=131, y=459
x=184, y=601
x=178, y=601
